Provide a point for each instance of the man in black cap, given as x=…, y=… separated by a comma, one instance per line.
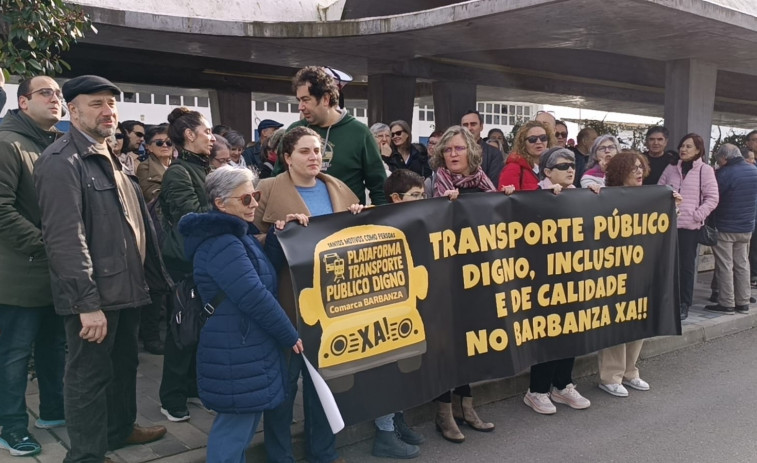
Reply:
x=254, y=155
x=102, y=251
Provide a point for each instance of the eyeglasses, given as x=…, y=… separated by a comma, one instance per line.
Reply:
x=398, y=133
x=564, y=166
x=46, y=93
x=415, y=195
x=247, y=199
x=458, y=149
x=607, y=149
x=638, y=168
x=561, y=134
x=535, y=138
x=119, y=136
x=139, y=134
x=160, y=143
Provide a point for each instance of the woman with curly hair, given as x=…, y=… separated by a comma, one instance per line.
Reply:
x=617, y=364
x=521, y=172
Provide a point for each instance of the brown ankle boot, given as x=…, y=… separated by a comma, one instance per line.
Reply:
x=446, y=424
x=471, y=417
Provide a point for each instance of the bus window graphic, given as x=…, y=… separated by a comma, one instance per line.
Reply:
x=364, y=295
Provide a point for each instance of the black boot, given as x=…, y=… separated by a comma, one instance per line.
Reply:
x=714, y=295
x=387, y=444
x=684, y=311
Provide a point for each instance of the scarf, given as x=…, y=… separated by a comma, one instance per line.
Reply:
x=446, y=180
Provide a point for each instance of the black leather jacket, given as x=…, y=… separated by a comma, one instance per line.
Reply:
x=94, y=260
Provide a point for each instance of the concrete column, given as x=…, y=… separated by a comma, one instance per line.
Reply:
x=451, y=101
x=232, y=108
x=689, y=99
x=390, y=97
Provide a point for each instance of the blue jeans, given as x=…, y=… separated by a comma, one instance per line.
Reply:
x=319, y=440
x=230, y=435
x=21, y=330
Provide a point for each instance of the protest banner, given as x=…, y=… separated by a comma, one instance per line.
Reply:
x=402, y=302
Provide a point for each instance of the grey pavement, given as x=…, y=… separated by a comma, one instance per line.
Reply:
x=185, y=442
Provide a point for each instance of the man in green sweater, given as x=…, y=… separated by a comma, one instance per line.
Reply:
x=350, y=152
x=28, y=322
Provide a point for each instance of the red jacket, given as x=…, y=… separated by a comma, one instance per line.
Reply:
x=518, y=172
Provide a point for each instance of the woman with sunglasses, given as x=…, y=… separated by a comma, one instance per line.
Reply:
x=407, y=155
x=159, y=156
x=241, y=350
x=522, y=166
x=617, y=364
x=300, y=192
x=553, y=381
x=696, y=181
x=561, y=133
x=457, y=163
x=117, y=142
x=182, y=192
x=605, y=147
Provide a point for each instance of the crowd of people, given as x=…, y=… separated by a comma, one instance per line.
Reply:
x=98, y=224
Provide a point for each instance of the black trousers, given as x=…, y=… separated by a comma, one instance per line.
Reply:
x=462, y=391
x=100, y=386
x=753, y=255
x=557, y=373
x=149, y=326
x=687, y=258
x=179, y=380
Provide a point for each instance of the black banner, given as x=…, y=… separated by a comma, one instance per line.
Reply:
x=403, y=302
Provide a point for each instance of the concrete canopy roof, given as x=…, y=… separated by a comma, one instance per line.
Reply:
x=595, y=53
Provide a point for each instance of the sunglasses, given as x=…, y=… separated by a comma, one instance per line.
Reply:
x=398, y=133
x=247, y=199
x=46, y=93
x=160, y=143
x=119, y=136
x=535, y=138
x=564, y=166
x=139, y=134
x=561, y=134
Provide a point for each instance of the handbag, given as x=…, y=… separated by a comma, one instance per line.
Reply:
x=708, y=234
x=190, y=314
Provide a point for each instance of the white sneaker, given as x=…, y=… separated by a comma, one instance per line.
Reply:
x=570, y=397
x=614, y=389
x=539, y=402
x=637, y=383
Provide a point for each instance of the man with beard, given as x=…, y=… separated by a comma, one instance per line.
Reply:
x=102, y=251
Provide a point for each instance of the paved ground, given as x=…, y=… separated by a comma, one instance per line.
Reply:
x=185, y=442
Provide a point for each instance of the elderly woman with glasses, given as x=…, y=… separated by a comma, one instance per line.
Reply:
x=457, y=163
x=406, y=155
x=241, y=350
x=604, y=148
x=300, y=192
x=159, y=156
x=521, y=172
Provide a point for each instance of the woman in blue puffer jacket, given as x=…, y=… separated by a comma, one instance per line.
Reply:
x=240, y=355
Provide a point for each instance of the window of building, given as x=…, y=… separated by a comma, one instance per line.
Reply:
x=130, y=97
x=159, y=99
x=174, y=100
x=203, y=101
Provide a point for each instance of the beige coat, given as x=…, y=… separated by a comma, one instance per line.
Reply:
x=150, y=174
x=278, y=198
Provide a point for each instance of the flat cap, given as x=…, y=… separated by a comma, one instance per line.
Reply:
x=268, y=123
x=87, y=85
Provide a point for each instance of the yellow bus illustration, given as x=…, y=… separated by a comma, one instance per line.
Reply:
x=364, y=295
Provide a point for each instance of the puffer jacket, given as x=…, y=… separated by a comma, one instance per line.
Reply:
x=182, y=192
x=519, y=173
x=240, y=356
x=698, y=184
x=737, y=187
x=24, y=270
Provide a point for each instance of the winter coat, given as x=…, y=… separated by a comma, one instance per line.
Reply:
x=95, y=263
x=240, y=355
x=492, y=161
x=699, y=190
x=150, y=174
x=356, y=160
x=519, y=173
x=417, y=161
x=182, y=192
x=737, y=187
x=24, y=270
x=279, y=197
